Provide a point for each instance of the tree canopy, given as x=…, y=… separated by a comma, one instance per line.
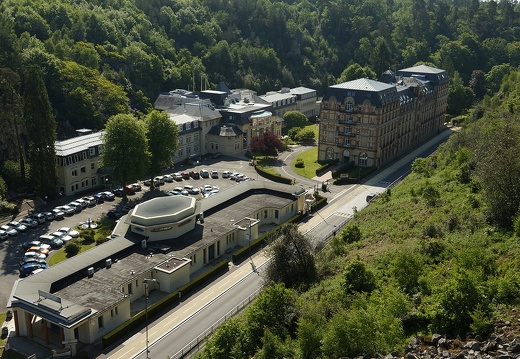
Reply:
x=125, y=149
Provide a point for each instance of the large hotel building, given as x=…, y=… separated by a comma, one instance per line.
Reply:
x=370, y=122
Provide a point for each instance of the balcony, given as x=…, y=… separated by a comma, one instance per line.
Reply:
x=346, y=134
x=348, y=121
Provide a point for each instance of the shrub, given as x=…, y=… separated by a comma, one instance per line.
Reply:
x=299, y=163
x=351, y=233
x=72, y=248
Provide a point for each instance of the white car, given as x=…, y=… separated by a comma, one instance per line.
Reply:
x=29, y=222
x=83, y=203
x=226, y=174
x=64, y=237
x=49, y=215
x=3, y=235
x=9, y=230
x=58, y=213
x=68, y=210
x=71, y=232
x=18, y=226
x=214, y=174
x=28, y=255
x=177, y=176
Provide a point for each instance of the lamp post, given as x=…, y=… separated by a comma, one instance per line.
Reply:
x=146, y=281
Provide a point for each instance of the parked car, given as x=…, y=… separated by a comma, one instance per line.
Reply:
x=109, y=196
x=77, y=207
x=29, y=268
x=3, y=235
x=9, y=230
x=168, y=178
x=58, y=213
x=28, y=255
x=130, y=190
x=71, y=232
x=49, y=216
x=29, y=222
x=33, y=260
x=100, y=198
x=194, y=175
x=177, y=176
x=185, y=175
x=136, y=186
x=173, y=193
x=38, y=217
x=64, y=237
x=214, y=174
x=118, y=192
x=204, y=173
x=159, y=179
x=53, y=241
x=68, y=210
x=148, y=182
x=114, y=214
x=90, y=200
x=17, y=225
x=39, y=249
x=226, y=174
x=84, y=204
x=27, y=245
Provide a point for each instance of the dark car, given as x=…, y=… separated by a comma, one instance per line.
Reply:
x=28, y=268
x=185, y=175
x=27, y=245
x=130, y=190
x=118, y=192
x=114, y=214
x=194, y=175
x=33, y=260
x=100, y=198
x=108, y=196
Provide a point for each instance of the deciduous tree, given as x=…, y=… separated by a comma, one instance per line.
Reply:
x=293, y=261
x=163, y=141
x=125, y=149
x=267, y=144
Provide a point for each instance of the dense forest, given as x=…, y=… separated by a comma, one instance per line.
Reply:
x=103, y=57
x=437, y=254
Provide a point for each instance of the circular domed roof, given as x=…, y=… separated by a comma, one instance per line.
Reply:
x=163, y=210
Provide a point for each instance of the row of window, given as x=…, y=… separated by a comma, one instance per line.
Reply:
x=188, y=126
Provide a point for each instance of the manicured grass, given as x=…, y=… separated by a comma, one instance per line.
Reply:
x=265, y=163
x=313, y=127
x=310, y=159
x=60, y=255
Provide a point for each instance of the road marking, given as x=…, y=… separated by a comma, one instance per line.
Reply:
x=125, y=354
x=338, y=195
x=173, y=319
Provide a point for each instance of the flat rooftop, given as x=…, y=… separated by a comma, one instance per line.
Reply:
x=69, y=280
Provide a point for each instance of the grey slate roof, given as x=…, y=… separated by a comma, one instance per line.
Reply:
x=225, y=131
x=78, y=144
x=361, y=90
x=436, y=76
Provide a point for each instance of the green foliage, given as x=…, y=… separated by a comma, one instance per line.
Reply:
x=358, y=278
x=72, y=248
x=355, y=71
x=305, y=136
x=299, y=163
x=40, y=124
x=431, y=195
x=453, y=302
x=351, y=233
x=406, y=268
x=294, y=119
x=293, y=261
x=163, y=141
x=125, y=148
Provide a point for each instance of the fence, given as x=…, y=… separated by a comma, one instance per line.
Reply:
x=194, y=346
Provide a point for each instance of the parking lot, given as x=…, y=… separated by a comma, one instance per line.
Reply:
x=11, y=251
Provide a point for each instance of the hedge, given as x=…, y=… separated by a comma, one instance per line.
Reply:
x=325, y=167
x=272, y=177
x=162, y=305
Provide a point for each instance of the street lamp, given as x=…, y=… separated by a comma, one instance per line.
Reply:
x=146, y=281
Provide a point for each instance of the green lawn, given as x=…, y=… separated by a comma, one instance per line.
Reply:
x=310, y=160
x=60, y=255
